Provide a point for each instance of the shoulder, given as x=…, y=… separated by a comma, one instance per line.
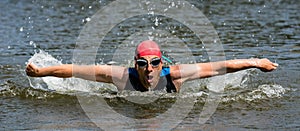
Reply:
x=176, y=73
x=174, y=70
x=175, y=76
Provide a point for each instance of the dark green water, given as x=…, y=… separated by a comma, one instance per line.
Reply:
x=266, y=101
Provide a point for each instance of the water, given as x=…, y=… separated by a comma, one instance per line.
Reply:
x=252, y=100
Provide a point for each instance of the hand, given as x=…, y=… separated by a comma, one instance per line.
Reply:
x=32, y=70
x=266, y=65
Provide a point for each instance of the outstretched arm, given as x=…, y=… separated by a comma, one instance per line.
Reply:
x=100, y=73
x=204, y=70
x=62, y=71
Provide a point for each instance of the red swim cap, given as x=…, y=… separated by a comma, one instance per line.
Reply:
x=147, y=47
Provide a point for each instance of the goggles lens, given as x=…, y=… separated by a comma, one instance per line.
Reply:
x=143, y=62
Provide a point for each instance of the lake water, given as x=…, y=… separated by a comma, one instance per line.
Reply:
x=47, y=32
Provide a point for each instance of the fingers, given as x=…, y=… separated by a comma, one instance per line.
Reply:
x=275, y=65
x=31, y=69
x=31, y=65
x=267, y=66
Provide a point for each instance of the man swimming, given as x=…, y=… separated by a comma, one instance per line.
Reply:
x=149, y=72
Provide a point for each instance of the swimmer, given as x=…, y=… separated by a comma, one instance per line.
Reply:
x=148, y=72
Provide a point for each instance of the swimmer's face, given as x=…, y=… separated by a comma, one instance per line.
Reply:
x=149, y=68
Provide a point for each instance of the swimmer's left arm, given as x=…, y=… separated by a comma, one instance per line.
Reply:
x=204, y=70
x=230, y=66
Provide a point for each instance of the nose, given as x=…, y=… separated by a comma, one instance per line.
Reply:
x=149, y=67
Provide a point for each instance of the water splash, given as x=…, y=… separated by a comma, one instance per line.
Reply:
x=265, y=91
x=63, y=85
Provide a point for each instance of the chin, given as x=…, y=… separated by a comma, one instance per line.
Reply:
x=151, y=84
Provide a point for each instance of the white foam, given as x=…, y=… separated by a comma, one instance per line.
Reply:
x=265, y=91
x=272, y=90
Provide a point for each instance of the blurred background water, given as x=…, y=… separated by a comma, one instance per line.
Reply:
x=266, y=101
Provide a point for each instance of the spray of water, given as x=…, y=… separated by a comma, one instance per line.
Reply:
x=63, y=85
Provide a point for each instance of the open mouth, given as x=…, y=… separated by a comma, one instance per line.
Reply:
x=149, y=78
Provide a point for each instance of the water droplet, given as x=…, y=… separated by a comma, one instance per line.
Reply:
x=8, y=47
x=156, y=21
x=31, y=42
x=90, y=7
x=88, y=19
x=151, y=12
x=173, y=4
x=150, y=37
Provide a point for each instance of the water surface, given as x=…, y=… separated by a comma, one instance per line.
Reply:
x=264, y=101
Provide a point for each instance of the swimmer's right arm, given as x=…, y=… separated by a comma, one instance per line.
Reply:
x=100, y=73
x=62, y=71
